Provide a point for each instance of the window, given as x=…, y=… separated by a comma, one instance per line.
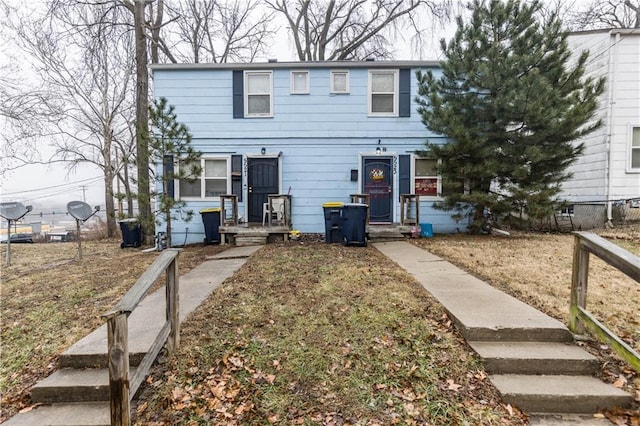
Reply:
x=635, y=148
x=339, y=82
x=383, y=93
x=426, y=180
x=300, y=82
x=212, y=181
x=258, y=94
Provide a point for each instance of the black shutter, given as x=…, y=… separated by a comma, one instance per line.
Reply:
x=167, y=170
x=404, y=95
x=404, y=174
x=236, y=176
x=238, y=94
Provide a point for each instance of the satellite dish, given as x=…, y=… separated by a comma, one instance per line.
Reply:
x=79, y=210
x=13, y=210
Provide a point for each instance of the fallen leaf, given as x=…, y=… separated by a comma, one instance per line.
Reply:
x=453, y=385
x=620, y=382
x=509, y=409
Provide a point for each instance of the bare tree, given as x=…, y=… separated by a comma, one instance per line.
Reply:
x=600, y=14
x=353, y=29
x=84, y=64
x=217, y=31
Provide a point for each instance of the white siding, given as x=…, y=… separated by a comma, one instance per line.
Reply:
x=602, y=173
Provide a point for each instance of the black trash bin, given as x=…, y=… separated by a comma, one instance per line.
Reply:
x=354, y=224
x=211, y=221
x=332, y=229
x=131, y=233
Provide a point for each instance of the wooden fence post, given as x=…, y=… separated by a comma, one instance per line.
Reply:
x=172, y=288
x=579, y=282
x=118, y=358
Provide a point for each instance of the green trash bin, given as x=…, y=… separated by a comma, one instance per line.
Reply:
x=332, y=228
x=211, y=222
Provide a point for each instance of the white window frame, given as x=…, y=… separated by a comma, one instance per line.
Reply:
x=436, y=176
x=248, y=74
x=632, y=148
x=203, y=179
x=395, y=93
x=307, y=89
x=332, y=87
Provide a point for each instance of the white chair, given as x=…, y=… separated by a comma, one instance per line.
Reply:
x=277, y=211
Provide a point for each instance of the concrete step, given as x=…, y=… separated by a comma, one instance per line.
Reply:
x=73, y=385
x=535, y=358
x=558, y=393
x=74, y=413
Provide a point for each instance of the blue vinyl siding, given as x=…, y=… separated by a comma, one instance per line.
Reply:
x=321, y=138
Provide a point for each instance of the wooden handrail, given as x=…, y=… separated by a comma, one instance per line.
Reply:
x=581, y=319
x=122, y=386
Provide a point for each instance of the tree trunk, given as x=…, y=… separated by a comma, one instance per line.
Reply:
x=142, y=123
x=108, y=182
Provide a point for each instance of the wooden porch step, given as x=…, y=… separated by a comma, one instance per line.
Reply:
x=250, y=240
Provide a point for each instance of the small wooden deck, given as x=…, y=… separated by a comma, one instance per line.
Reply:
x=252, y=234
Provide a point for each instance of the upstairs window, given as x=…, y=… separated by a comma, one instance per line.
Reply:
x=211, y=183
x=300, y=83
x=339, y=82
x=383, y=93
x=258, y=94
x=635, y=149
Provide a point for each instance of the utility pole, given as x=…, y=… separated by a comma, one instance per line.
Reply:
x=84, y=190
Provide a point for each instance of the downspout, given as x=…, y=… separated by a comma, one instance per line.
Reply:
x=613, y=47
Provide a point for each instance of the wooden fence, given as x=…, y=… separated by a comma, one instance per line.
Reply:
x=579, y=318
x=122, y=386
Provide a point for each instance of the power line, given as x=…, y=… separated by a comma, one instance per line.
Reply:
x=96, y=178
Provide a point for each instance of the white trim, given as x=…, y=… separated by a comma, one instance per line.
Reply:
x=396, y=92
x=631, y=148
x=226, y=158
x=438, y=196
x=332, y=88
x=307, y=81
x=246, y=94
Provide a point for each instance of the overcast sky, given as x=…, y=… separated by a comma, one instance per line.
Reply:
x=48, y=185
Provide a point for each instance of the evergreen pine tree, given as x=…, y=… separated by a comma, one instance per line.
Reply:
x=170, y=142
x=512, y=101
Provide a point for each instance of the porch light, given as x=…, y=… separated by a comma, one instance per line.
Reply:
x=263, y=150
x=378, y=149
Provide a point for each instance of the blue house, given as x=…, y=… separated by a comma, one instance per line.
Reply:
x=308, y=132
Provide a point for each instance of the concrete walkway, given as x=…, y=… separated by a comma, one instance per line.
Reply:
x=144, y=324
x=530, y=356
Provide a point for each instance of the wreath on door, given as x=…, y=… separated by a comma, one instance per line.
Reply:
x=376, y=174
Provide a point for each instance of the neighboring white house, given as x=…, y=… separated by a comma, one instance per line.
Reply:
x=608, y=173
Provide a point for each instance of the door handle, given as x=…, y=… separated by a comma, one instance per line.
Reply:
x=250, y=189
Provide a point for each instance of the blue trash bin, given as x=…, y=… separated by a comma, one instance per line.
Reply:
x=332, y=226
x=211, y=222
x=354, y=224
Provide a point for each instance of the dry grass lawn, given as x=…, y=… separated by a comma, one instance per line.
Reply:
x=307, y=332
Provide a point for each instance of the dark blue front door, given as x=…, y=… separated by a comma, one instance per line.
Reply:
x=262, y=179
x=377, y=182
